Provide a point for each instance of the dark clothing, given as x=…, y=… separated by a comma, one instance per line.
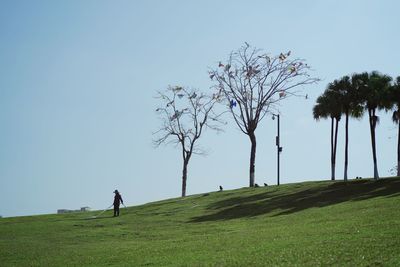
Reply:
x=117, y=201
x=116, y=210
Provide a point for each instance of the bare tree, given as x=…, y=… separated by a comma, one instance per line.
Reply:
x=253, y=82
x=185, y=114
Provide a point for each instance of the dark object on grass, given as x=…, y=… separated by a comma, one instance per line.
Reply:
x=220, y=188
x=358, y=178
x=117, y=201
x=256, y=185
x=265, y=184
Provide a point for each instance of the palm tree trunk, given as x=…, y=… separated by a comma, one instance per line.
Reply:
x=398, y=151
x=184, y=176
x=346, y=157
x=334, y=149
x=252, y=157
x=372, y=126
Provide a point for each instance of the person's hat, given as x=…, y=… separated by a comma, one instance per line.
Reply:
x=116, y=191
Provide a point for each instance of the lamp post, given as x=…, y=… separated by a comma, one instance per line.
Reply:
x=278, y=147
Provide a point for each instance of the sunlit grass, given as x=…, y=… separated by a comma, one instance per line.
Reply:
x=305, y=224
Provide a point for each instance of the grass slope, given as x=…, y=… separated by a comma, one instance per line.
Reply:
x=305, y=224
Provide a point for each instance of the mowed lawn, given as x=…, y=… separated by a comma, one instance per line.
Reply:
x=304, y=224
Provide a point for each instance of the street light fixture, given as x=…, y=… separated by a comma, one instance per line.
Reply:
x=278, y=147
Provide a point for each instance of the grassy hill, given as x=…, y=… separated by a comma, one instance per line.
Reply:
x=304, y=224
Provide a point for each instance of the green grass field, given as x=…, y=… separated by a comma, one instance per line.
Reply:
x=304, y=224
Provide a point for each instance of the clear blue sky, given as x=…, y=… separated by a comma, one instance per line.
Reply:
x=77, y=80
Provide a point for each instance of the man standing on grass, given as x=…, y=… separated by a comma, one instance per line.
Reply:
x=117, y=201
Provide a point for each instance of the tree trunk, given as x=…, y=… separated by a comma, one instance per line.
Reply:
x=184, y=176
x=398, y=150
x=372, y=126
x=346, y=153
x=334, y=150
x=252, y=158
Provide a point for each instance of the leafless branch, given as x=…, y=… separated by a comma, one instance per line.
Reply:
x=185, y=113
x=252, y=82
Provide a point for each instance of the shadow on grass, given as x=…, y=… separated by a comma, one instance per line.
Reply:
x=281, y=203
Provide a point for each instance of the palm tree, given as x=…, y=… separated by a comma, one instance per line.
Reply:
x=328, y=106
x=393, y=102
x=373, y=88
x=350, y=106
